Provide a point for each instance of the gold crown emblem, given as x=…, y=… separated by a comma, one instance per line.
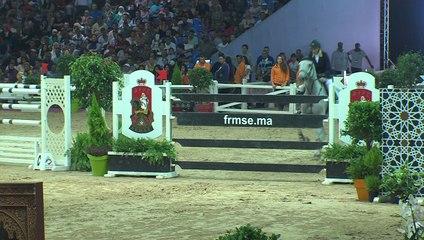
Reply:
x=361, y=84
x=141, y=82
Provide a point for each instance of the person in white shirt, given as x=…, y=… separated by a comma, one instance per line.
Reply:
x=355, y=58
x=339, y=60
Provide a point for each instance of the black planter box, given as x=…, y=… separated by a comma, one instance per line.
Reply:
x=129, y=164
x=336, y=170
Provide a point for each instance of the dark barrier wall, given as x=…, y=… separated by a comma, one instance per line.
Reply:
x=406, y=27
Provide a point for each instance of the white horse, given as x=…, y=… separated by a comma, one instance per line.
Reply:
x=312, y=86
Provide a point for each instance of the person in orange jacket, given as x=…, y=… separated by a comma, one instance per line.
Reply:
x=280, y=75
x=203, y=64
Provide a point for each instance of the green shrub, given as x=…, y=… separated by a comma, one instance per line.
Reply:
x=32, y=79
x=363, y=122
x=401, y=181
x=373, y=160
x=373, y=183
x=176, y=79
x=94, y=75
x=79, y=159
x=152, y=150
x=200, y=78
x=357, y=169
x=387, y=77
x=248, y=232
x=343, y=152
x=63, y=66
x=409, y=67
x=100, y=136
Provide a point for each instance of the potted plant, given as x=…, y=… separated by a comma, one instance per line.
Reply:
x=201, y=79
x=399, y=183
x=362, y=167
x=93, y=75
x=373, y=160
x=142, y=156
x=100, y=140
x=357, y=170
x=337, y=157
x=373, y=182
x=79, y=159
x=363, y=122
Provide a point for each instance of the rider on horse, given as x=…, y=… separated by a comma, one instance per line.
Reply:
x=322, y=64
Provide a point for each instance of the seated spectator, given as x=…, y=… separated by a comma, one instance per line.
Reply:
x=225, y=42
x=217, y=15
x=95, y=12
x=171, y=55
x=248, y=20
x=24, y=72
x=11, y=72
x=255, y=9
x=151, y=62
x=206, y=46
x=169, y=44
x=52, y=73
x=102, y=41
x=55, y=37
x=98, y=25
x=184, y=74
x=183, y=56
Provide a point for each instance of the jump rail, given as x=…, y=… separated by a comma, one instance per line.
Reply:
x=53, y=145
x=246, y=120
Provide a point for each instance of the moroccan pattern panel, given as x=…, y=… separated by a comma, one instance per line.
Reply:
x=403, y=129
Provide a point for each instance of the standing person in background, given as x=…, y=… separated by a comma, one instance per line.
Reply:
x=264, y=64
x=355, y=58
x=294, y=66
x=280, y=75
x=232, y=69
x=299, y=55
x=240, y=71
x=223, y=73
x=242, y=74
x=245, y=52
x=339, y=60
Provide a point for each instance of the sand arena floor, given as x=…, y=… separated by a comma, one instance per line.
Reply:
x=202, y=204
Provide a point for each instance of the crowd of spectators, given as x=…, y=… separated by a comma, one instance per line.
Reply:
x=140, y=34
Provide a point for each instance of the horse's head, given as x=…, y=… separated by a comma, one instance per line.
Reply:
x=307, y=70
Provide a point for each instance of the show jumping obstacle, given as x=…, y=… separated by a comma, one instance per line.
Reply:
x=54, y=146
x=241, y=119
x=225, y=116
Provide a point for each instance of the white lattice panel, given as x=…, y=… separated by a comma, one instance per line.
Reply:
x=403, y=129
x=57, y=92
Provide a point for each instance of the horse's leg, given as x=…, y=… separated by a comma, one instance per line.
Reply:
x=320, y=109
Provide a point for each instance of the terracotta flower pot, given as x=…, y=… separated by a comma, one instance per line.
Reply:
x=361, y=189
